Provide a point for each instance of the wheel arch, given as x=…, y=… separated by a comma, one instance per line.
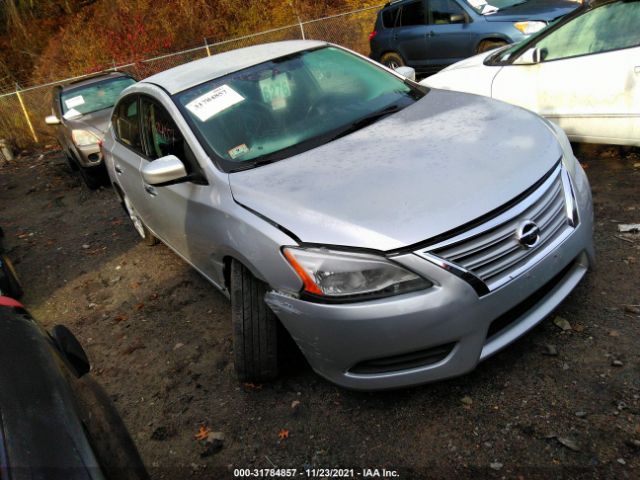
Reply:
x=492, y=37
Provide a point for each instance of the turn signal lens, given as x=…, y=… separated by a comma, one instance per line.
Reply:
x=529, y=28
x=331, y=273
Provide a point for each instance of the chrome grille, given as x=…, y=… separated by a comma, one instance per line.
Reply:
x=493, y=253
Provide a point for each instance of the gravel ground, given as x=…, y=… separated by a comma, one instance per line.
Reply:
x=557, y=404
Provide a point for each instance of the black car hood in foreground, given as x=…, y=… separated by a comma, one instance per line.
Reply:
x=444, y=161
x=547, y=10
x=42, y=434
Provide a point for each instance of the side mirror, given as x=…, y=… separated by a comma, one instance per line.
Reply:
x=407, y=72
x=529, y=57
x=164, y=170
x=52, y=120
x=457, y=18
x=70, y=348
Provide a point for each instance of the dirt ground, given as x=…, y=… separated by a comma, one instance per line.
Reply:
x=159, y=338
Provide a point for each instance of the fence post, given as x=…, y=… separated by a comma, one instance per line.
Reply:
x=206, y=45
x=295, y=11
x=26, y=114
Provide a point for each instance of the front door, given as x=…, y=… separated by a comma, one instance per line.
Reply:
x=179, y=213
x=589, y=78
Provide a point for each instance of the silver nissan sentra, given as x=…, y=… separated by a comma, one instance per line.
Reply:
x=398, y=234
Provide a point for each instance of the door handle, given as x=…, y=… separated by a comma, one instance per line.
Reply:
x=150, y=190
x=118, y=168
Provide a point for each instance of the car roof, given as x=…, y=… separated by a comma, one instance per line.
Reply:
x=194, y=73
x=88, y=80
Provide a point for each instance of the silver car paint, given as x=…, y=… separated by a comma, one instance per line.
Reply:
x=199, y=71
x=336, y=337
x=400, y=179
x=206, y=226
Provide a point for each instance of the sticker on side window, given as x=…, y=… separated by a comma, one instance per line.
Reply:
x=235, y=152
x=74, y=102
x=211, y=103
x=275, y=90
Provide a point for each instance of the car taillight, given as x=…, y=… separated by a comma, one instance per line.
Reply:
x=372, y=35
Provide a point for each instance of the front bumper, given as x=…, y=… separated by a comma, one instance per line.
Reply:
x=449, y=327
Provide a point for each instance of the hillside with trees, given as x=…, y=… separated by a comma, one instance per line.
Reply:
x=44, y=40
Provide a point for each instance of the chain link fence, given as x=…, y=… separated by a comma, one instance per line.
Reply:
x=22, y=111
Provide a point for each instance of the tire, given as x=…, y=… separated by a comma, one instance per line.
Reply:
x=93, y=177
x=73, y=165
x=255, y=327
x=487, y=45
x=109, y=438
x=9, y=283
x=392, y=60
x=146, y=236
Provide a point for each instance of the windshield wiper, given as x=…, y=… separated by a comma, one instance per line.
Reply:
x=366, y=121
x=286, y=152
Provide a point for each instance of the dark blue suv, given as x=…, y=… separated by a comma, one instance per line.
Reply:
x=428, y=35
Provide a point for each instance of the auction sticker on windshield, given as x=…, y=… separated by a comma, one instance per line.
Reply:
x=74, y=102
x=211, y=103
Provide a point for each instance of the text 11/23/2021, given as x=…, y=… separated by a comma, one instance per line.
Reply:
x=315, y=473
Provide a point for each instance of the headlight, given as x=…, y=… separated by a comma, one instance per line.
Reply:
x=568, y=158
x=329, y=273
x=529, y=27
x=83, y=138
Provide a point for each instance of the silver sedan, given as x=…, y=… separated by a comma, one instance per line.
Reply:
x=398, y=234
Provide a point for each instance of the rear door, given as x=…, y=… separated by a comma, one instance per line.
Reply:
x=589, y=79
x=127, y=150
x=410, y=34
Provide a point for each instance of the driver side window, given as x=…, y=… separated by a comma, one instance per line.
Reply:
x=162, y=136
x=610, y=27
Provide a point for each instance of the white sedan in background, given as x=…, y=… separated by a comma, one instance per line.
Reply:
x=583, y=73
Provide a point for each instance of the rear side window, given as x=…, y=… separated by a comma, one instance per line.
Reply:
x=413, y=14
x=389, y=17
x=126, y=123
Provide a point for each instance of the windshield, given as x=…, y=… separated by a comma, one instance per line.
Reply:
x=282, y=107
x=94, y=97
x=485, y=7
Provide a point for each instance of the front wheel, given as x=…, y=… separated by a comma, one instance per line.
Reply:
x=255, y=327
x=145, y=234
x=392, y=60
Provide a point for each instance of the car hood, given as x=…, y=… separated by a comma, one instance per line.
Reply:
x=547, y=10
x=434, y=166
x=97, y=122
